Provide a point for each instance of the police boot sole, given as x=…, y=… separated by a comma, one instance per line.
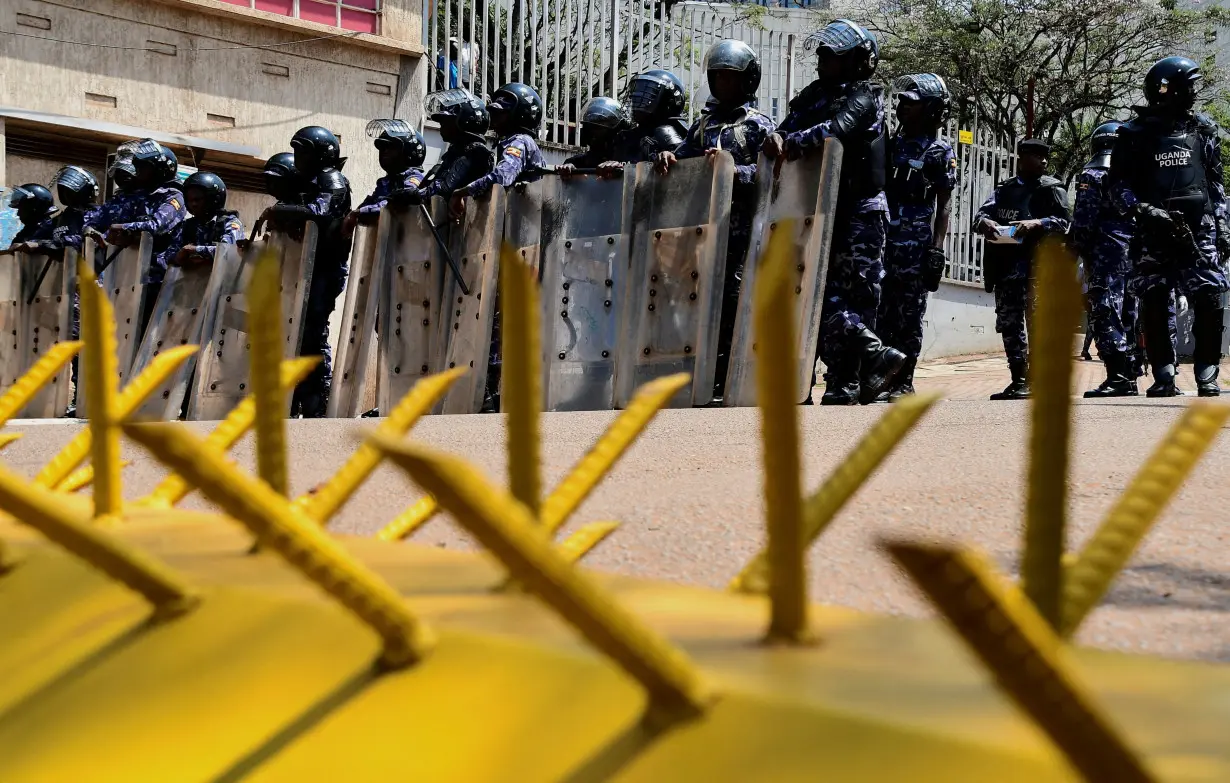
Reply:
x=843, y=400
x=1158, y=393
x=1208, y=391
x=1010, y=396
x=1104, y=392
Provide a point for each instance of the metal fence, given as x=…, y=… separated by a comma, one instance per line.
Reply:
x=572, y=50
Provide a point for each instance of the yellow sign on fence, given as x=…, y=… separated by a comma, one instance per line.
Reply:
x=965, y=137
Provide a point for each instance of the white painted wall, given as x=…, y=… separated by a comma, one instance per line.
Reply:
x=960, y=320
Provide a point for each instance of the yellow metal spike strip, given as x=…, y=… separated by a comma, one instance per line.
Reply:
x=82, y=477
x=101, y=373
x=1054, y=322
x=568, y=495
x=174, y=488
x=43, y=510
x=151, y=378
x=329, y=498
x=508, y=530
x=773, y=319
x=521, y=386
x=18, y=395
x=279, y=526
x=584, y=539
x=822, y=506
x=265, y=334
x=8, y=438
x=409, y=521
x=1088, y=578
x=1019, y=647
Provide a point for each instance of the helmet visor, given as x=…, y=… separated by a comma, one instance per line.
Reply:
x=920, y=87
x=444, y=102
x=73, y=178
x=729, y=56
x=839, y=37
x=377, y=128
x=603, y=112
x=18, y=196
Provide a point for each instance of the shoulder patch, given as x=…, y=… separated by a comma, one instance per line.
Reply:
x=175, y=203
x=513, y=150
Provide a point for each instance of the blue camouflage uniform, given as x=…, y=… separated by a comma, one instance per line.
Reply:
x=1102, y=236
x=517, y=153
x=920, y=166
x=741, y=131
x=407, y=180
x=158, y=212
x=1008, y=269
x=206, y=233
x=856, y=257
x=328, y=201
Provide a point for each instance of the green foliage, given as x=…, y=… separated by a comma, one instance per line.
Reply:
x=1087, y=59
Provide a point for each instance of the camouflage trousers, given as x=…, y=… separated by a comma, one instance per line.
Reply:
x=851, y=292
x=1112, y=313
x=903, y=299
x=1013, y=312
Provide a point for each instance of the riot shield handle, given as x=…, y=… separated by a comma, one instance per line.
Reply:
x=108, y=259
x=465, y=289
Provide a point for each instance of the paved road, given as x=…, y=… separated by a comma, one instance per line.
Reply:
x=689, y=497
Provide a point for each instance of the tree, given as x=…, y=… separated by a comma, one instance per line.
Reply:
x=1087, y=59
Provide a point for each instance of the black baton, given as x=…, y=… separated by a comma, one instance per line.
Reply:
x=38, y=281
x=465, y=289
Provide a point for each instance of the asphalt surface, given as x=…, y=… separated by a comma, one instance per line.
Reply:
x=688, y=497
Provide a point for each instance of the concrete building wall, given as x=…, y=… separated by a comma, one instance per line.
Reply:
x=197, y=81
x=960, y=320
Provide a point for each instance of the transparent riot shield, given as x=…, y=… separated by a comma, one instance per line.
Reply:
x=584, y=274
x=222, y=365
x=47, y=319
x=354, y=341
x=465, y=337
x=122, y=279
x=184, y=314
x=676, y=227
x=805, y=193
x=12, y=304
x=412, y=272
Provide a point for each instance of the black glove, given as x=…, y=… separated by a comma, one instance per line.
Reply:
x=1223, y=239
x=409, y=197
x=933, y=272
x=368, y=218
x=1154, y=221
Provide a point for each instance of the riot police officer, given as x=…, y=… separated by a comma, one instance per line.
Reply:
x=1020, y=211
x=325, y=200
x=842, y=103
x=1166, y=172
x=923, y=175
x=281, y=180
x=604, y=124
x=211, y=223
x=77, y=190
x=732, y=123
x=463, y=120
x=36, y=209
x=402, y=152
x=656, y=100
x=1101, y=236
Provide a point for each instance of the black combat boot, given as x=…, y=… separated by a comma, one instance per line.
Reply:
x=1159, y=345
x=1163, y=382
x=879, y=364
x=1120, y=379
x=840, y=392
x=1207, y=332
x=903, y=384
x=1019, y=388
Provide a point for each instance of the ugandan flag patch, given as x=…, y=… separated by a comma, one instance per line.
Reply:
x=175, y=203
x=516, y=153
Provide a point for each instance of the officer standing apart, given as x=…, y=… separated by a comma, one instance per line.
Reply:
x=36, y=210
x=151, y=203
x=731, y=123
x=324, y=200
x=402, y=151
x=516, y=113
x=1166, y=172
x=841, y=103
x=1014, y=219
x=1101, y=236
x=656, y=100
x=211, y=223
x=923, y=175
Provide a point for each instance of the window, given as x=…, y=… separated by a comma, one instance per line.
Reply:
x=359, y=15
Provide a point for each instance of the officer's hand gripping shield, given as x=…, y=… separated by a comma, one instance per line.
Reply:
x=222, y=369
x=584, y=277
x=676, y=229
x=801, y=196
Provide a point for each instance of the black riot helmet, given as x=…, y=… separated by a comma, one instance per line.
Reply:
x=655, y=95
x=33, y=203
x=460, y=107
x=316, y=149
x=75, y=186
x=213, y=188
x=281, y=178
x=738, y=57
x=604, y=112
x=150, y=162
x=398, y=136
x=521, y=102
x=1171, y=83
x=850, y=41
x=1102, y=144
x=926, y=88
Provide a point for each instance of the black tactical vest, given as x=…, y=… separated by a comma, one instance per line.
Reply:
x=1012, y=200
x=1170, y=172
x=908, y=182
